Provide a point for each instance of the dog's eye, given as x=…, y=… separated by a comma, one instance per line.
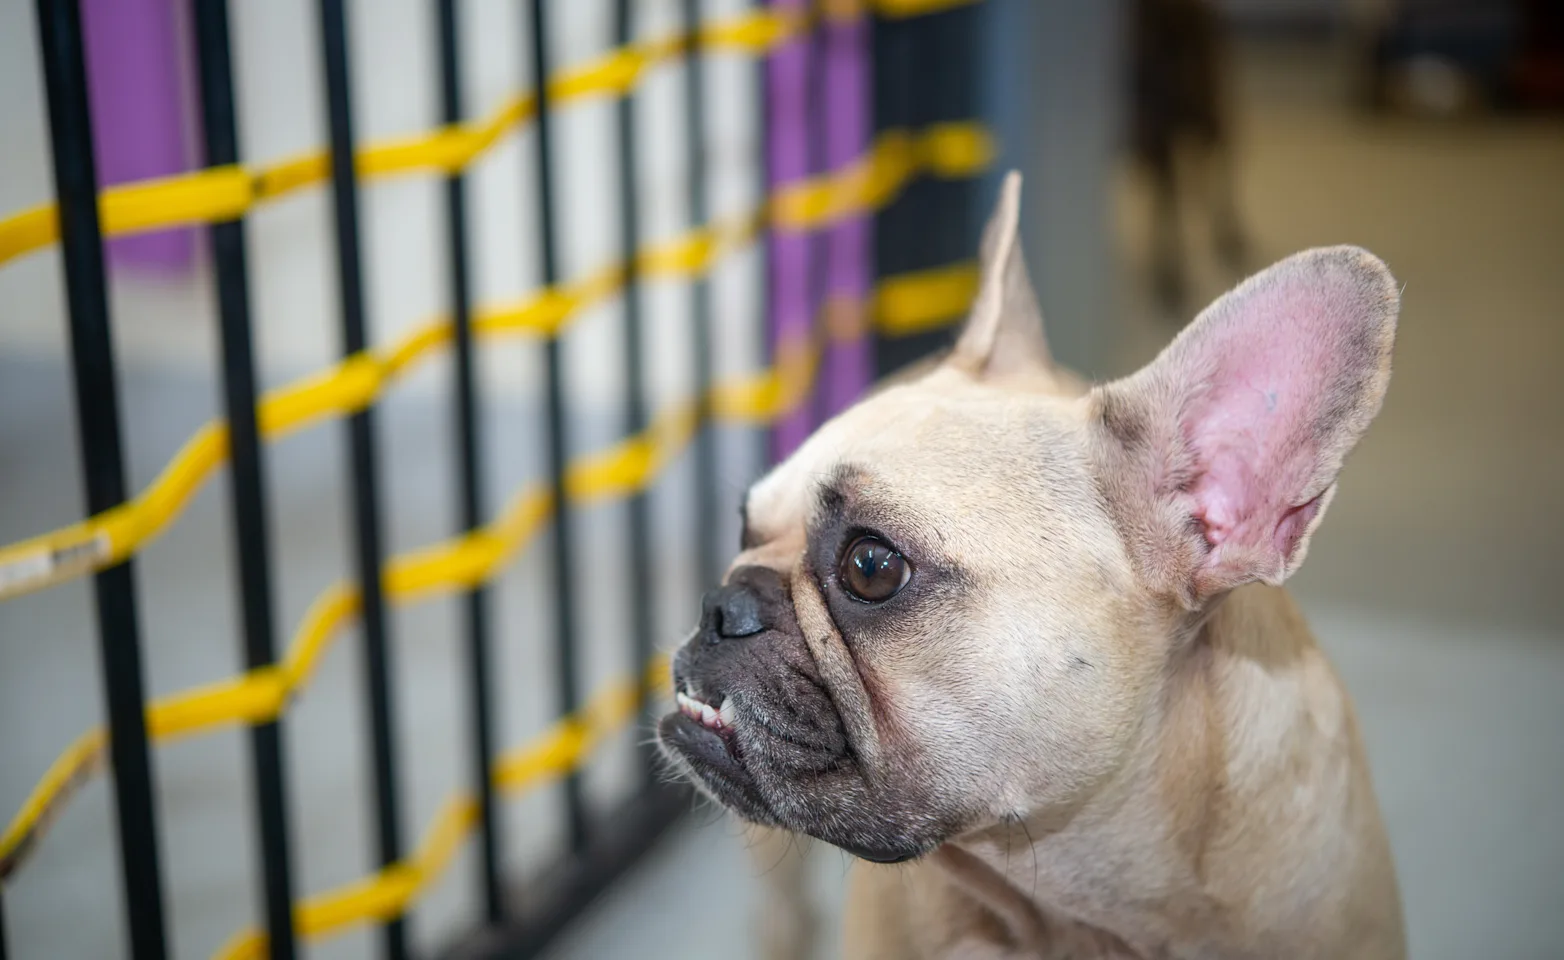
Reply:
x=872, y=571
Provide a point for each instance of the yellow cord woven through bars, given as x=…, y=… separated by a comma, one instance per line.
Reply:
x=774, y=394
x=224, y=193
x=949, y=150
x=618, y=471
x=388, y=892
x=458, y=563
x=904, y=9
x=902, y=304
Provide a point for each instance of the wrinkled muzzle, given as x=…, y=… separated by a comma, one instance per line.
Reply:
x=757, y=729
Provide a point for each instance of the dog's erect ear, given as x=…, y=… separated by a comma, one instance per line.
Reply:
x=1220, y=457
x=1004, y=333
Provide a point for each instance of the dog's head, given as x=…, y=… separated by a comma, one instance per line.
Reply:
x=957, y=602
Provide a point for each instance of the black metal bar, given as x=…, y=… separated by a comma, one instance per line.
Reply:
x=765, y=436
x=639, y=596
x=361, y=436
x=248, y=483
x=564, y=553
x=819, y=240
x=470, y=484
x=561, y=895
x=933, y=222
x=708, y=558
x=98, y=428
x=894, y=238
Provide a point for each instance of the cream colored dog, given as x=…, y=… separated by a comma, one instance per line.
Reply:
x=1030, y=638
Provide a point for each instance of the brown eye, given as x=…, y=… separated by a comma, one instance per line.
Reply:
x=872, y=571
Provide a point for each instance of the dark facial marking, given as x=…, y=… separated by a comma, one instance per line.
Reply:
x=782, y=755
x=1124, y=424
x=853, y=511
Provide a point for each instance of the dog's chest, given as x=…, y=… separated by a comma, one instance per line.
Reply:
x=1010, y=908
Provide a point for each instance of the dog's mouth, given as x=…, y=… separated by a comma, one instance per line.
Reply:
x=719, y=719
x=705, y=728
x=773, y=755
x=704, y=738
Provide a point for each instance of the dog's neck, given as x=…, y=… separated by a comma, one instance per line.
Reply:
x=1142, y=862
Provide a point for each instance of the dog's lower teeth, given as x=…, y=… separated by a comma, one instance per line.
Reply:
x=725, y=712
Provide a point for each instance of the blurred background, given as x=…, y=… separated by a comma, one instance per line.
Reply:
x=1169, y=147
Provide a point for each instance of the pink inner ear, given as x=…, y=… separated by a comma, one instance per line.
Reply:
x=1253, y=425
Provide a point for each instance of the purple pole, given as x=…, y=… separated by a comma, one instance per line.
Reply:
x=787, y=74
x=133, y=72
x=849, y=364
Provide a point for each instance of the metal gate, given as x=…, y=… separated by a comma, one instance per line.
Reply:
x=871, y=154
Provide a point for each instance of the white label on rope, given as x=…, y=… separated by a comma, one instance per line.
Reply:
x=39, y=567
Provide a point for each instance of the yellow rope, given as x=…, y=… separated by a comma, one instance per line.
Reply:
x=904, y=9
x=223, y=193
x=925, y=300
x=902, y=304
x=951, y=150
x=388, y=892
x=948, y=150
x=460, y=562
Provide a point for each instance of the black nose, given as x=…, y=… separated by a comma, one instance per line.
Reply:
x=731, y=612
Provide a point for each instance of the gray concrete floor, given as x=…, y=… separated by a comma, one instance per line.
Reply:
x=1432, y=583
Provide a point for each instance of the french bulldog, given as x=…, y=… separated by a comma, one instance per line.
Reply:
x=1027, y=639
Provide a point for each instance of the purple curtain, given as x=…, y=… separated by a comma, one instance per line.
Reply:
x=134, y=55
x=815, y=131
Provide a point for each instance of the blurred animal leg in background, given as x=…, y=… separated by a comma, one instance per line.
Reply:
x=1153, y=51
x=1229, y=237
x=786, y=918
x=1181, y=91
x=1167, y=242
x=1209, y=107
